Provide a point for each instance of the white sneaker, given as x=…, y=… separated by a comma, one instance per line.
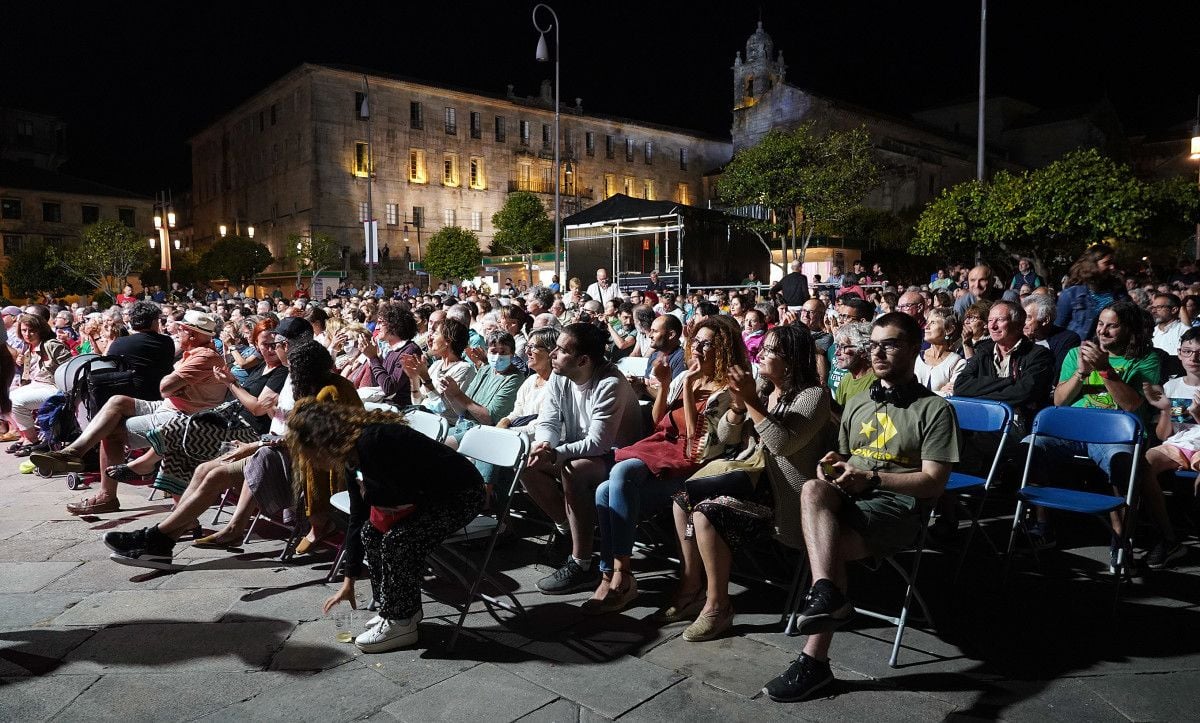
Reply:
x=389, y=635
x=376, y=620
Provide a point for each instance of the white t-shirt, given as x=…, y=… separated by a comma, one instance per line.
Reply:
x=1185, y=432
x=1168, y=339
x=283, y=407
x=936, y=377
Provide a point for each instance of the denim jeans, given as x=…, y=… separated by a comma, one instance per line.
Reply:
x=620, y=501
x=1051, y=450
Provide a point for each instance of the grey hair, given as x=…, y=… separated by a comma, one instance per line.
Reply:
x=1016, y=314
x=946, y=314
x=546, y=319
x=491, y=316
x=795, y=265
x=855, y=334
x=459, y=313
x=1140, y=296
x=1044, y=308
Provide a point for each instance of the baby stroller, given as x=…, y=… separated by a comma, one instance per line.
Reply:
x=86, y=381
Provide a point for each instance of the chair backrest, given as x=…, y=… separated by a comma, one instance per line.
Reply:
x=501, y=447
x=1093, y=426
x=981, y=415
x=429, y=424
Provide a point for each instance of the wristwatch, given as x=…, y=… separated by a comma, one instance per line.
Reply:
x=875, y=480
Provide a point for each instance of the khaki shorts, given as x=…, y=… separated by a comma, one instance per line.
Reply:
x=889, y=522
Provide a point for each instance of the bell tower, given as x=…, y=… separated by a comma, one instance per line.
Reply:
x=758, y=74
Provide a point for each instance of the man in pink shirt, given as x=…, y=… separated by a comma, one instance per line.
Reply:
x=190, y=388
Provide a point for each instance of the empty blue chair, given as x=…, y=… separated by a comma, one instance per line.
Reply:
x=1089, y=426
x=978, y=415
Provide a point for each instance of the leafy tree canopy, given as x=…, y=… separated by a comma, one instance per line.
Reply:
x=802, y=179
x=107, y=253
x=453, y=253
x=522, y=226
x=313, y=254
x=33, y=270
x=237, y=259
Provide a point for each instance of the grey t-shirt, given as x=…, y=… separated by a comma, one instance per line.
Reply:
x=891, y=438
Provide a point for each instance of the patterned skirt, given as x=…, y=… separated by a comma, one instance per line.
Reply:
x=741, y=512
x=185, y=442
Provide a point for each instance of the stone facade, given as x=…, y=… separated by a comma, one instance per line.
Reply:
x=36, y=139
x=295, y=159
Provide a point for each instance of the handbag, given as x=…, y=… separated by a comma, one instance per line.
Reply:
x=752, y=461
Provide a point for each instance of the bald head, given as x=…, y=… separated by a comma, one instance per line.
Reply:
x=912, y=303
x=979, y=280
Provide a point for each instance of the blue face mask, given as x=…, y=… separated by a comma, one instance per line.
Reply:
x=500, y=362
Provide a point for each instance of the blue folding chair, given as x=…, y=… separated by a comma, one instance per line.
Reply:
x=978, y=415
x=1089, y=426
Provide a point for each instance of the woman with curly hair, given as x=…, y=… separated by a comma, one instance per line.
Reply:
x=396, y=519
x=686, y=411
x=1092, y=286
x=787, y=411
x=43, y=354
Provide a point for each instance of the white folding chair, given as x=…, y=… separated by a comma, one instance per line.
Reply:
x=500, y=448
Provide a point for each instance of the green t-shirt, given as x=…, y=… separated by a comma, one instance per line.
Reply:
x=898, y=439
x=1131, y=371
x=849, y=387
x=495, y=392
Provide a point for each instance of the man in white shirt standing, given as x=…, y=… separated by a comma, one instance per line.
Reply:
x=603, y=289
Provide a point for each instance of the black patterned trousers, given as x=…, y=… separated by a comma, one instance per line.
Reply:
x=397, y=558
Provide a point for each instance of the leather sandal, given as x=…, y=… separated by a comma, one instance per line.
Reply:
x=305, y=544
x=121, y=473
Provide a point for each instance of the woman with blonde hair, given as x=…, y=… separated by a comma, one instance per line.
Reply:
x=939, y=365
x=396, y=517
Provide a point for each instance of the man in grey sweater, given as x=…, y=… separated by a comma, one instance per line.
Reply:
x=589, y=409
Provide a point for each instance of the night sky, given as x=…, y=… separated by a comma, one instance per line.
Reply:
x=134, y=80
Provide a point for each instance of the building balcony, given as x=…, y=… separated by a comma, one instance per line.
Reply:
x=538, y=185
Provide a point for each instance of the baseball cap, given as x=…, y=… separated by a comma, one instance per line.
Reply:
x=293, y=329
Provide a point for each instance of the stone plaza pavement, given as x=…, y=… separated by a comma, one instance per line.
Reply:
x=241, y=637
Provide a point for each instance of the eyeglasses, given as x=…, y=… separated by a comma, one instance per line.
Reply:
x=772, y=350
x=1161, y=306
x=888, y=347
x=703, y=344
x=1193, y=353
x=917, y=305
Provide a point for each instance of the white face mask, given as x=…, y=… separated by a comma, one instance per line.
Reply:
x=500, y=362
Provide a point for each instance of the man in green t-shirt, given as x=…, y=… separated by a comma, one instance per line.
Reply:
x=1107, y=373
x=871, y=498
x=852, y=340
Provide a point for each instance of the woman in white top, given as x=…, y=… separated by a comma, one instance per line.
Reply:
x=533, y=389
x=447, y=344
x=938, y=366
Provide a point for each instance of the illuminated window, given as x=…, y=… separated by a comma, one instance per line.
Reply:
x=451, y=122
x=416, y=166
x=629, y=185
x=610, y=185
x=362, y=159
x=478, y=180
x=477, y=220
x=683, y=159
x=649, y=153
x=649, y=190
x=589, y=141
x=684, y=193
x=547, y=185
x=450, y=169
x=500, y=129
x=524, y=132
x=449, y=217
x=392, y=214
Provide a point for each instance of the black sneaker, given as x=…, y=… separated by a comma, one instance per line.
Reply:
x=802, y=678
x=568, y=579
x=825, y=609
x=1164, y=553
x=146, y=547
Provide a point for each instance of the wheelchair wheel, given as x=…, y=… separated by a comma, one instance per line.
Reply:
x=75, y=481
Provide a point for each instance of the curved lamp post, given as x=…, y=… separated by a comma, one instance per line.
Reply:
x=543, y=55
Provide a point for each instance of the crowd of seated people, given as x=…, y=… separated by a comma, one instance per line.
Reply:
x=820, y=422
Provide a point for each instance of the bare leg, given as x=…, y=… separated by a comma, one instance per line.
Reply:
x=829, y=547
x=112, y=448
x=1152, y=494
x=580, y=478
x=718, y=559
x=110, y=418
x=691, y=574
x=181, y=518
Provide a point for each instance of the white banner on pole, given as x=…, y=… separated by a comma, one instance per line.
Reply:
x=371, y=242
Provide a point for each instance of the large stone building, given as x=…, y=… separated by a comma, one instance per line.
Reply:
x=296, y=158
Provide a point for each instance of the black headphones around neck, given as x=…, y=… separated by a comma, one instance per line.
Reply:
x=899, y=395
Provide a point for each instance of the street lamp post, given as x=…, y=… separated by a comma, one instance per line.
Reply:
x=1195, y=156
x=543, y=55
x=418, y=227
x=237, y=231
x=164, y=221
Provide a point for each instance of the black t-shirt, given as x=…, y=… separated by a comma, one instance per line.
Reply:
x=259, y=380
x=793, y=288
x=151, y=356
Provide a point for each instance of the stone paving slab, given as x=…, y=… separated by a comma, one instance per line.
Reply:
x=169, y=647
x=610, y=689
x=38, y=651
x=348, y=692
x=732, y=664
x=167, y=606
x=702, y=702
x=16, y=527
x=166, y=697
x=32, y=576
x=25, y=610
x=1158, y=696
x=102, y=574
x=314, y=646
x=33, y=699
x=459, y=699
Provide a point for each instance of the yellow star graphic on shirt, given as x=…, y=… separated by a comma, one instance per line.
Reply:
x=867, y=429
x=887, y=430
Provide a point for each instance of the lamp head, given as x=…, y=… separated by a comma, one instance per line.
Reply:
x=171, y=219
x=157, y=221
x=250, y=231
x=152, y=239
x=543, y=52
x=1195, y=155
x=224, y=230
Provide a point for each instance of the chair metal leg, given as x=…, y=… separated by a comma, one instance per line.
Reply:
x=796, y=600
x=221, y=505
x=793, y=591
x=250, y=529
x=150, y=498
x=337, y=562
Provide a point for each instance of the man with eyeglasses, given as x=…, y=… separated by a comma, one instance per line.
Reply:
x=1168, y=322
x=913, y=304
x=872, y=497
x=603, y=290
